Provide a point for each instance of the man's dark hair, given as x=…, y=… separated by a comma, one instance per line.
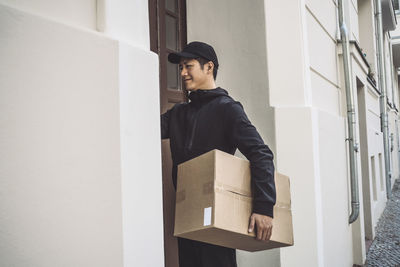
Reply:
x=203, y=61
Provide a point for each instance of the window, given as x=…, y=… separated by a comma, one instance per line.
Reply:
x=396, y=6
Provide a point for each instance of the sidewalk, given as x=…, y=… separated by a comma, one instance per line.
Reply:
x=385, y=249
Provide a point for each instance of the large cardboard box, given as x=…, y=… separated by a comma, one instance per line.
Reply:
x=214, y=204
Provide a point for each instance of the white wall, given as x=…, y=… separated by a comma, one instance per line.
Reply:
x=243, y=69
x=353, y=20
x=310, y=129
x=335, y=197
x=366, y=103
x=367, y=33
x=287, y=54
x=375, y=140
x=323, y=59
x=125, y=20
x=141, y=157
x=374, y=194
x=394, y=154
x=80, y=13
x=80, y=170
x=122, y=20
x=236, y=29
x=60, y=158
x=330, y=128
x=310, y=121
x=396, y=146
x=388, y=68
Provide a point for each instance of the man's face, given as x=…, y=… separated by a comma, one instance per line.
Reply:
x=193, y=76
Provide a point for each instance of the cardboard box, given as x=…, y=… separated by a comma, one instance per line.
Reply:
x=214, y=204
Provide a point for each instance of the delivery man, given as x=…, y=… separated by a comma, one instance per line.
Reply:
x=213, y=120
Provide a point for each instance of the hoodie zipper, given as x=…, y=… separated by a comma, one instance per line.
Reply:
x=192, y=133
x=196, y=112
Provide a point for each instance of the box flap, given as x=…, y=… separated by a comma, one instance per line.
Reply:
x=282, y=186
x=232, y=173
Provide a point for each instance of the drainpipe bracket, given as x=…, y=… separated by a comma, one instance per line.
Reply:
x=356, y=147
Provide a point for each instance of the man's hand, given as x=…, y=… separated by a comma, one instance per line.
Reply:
x=264, y=226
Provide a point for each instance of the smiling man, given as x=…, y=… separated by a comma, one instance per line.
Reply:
x=213, y=120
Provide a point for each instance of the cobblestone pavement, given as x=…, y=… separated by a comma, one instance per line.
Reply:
x=385, y=249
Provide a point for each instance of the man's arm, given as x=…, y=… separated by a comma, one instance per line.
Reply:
x=165, y=124
x=250, y=143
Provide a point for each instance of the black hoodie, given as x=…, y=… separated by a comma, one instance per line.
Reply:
x=213, y=120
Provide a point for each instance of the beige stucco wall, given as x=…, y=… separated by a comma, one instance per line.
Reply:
x=306, y=87
x=124, y=20
x=366, y=29
x=80, y=182
x=318, y=86
x=394, y=144
x=81, y=13
x=61, y=200
x=321, y=32
x=242, y=60
x=236, y=30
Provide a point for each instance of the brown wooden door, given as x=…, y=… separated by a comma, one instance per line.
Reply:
x=168, y=34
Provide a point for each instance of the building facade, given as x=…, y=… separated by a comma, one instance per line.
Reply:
x=84, y=177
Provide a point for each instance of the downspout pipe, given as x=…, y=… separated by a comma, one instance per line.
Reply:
x=392, y=73
x=351, y=116
x=382, y=83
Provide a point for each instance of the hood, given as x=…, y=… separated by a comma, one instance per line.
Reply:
x=206, y=95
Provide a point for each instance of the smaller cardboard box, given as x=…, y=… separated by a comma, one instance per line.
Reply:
x=214, y=204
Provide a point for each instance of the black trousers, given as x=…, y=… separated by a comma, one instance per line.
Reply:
x=198, y=254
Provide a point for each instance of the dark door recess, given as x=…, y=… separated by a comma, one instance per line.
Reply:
x=168, y=34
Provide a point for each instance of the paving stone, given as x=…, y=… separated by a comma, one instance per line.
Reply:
x=385, y=249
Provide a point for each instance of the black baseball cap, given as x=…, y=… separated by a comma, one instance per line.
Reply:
x=195, y=50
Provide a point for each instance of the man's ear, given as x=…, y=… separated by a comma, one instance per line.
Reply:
x=210, y=65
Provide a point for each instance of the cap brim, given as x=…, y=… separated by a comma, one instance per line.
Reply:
x=175, y=58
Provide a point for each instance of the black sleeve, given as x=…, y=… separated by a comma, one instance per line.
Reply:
x=165, y=124
x=251, y=145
